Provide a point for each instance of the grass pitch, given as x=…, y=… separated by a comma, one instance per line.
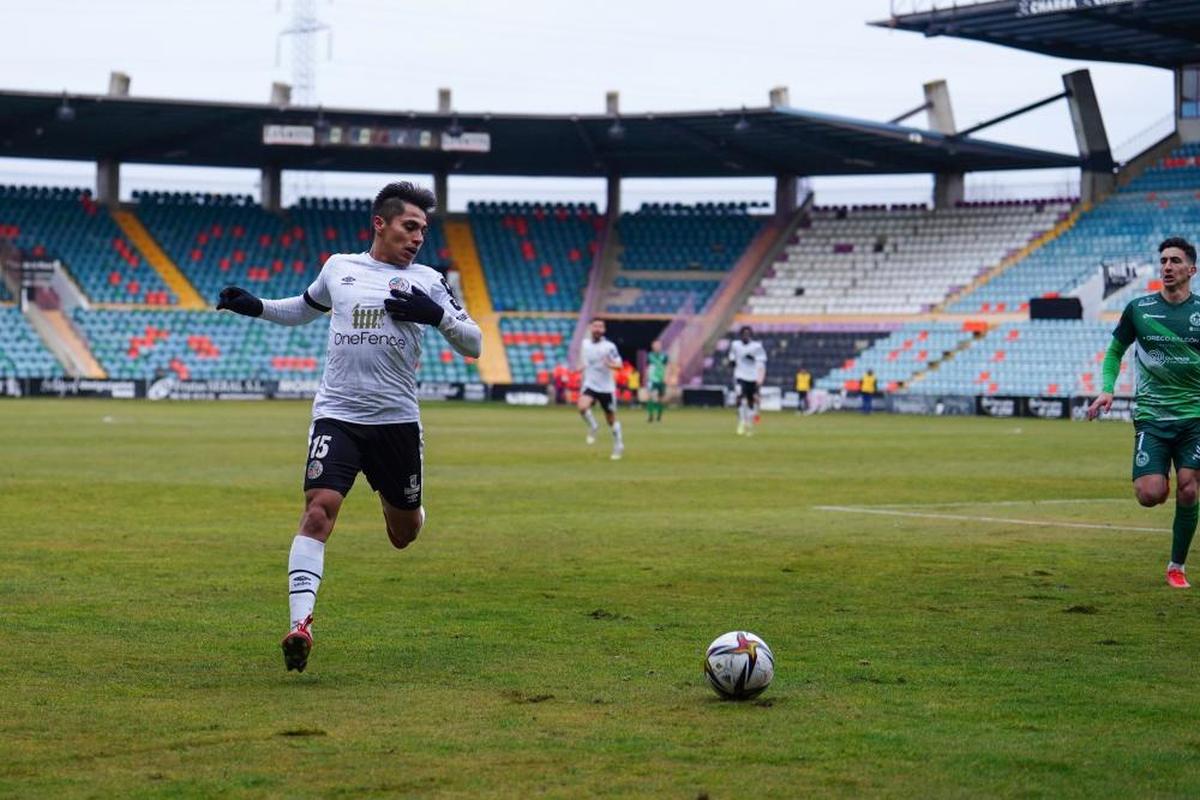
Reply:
x=963, y=625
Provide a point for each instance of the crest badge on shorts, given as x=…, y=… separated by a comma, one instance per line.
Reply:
x=315, y=468
x=398, y=284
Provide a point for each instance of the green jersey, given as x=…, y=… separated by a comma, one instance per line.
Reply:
x=1166, y=356
x=656, y=368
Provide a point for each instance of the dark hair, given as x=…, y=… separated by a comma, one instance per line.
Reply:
x=392, y=198
x=745, y=329
x=1183, y=244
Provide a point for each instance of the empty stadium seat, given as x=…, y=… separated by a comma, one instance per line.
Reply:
x=536, y=256
x=895, y=260
x=66, y=224
x=22, y=354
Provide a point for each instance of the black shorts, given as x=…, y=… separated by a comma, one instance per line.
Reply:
x=605, y=399
x=748, y=390
x=389, y=455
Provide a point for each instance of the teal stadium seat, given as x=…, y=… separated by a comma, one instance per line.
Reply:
x=22, y=354
x=536, y=256
x=535, y=346
x=708, y=236
x=1125, y=228
x=66, y=224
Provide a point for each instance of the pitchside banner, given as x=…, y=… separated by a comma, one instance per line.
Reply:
x=933, y=405
x=175, y=389
x=84, y=387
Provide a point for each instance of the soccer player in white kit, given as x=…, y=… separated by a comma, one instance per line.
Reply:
x=600, y=362
x=365, y=414
x=749, y=360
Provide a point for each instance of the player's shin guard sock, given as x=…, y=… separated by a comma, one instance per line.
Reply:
x=306, y=564
x=589, y=419
x=616, y=432
x=1182, y=531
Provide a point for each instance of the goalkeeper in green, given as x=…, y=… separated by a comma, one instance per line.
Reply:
x=1164, y=329
x=656, y=382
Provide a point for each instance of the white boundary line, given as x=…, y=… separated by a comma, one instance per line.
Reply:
x=976, y=504
x=967, y=518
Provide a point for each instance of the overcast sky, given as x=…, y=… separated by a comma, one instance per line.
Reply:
x=557, y=56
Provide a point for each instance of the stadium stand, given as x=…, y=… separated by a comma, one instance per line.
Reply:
x=536, y=256
x=22, y=354
x=210, y=346
x=1126, y=228
x=673, y=255
x=66, y=224
x=896, y=260
x=818, y=348
x=217, y=240
x=899, y=356
x=535, y=346
x=1054, y=358
x=707, y=236
x=659, y=296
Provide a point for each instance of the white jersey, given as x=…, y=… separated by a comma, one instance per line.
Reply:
x=598, y=360
x=371, y=361
x=749, y=360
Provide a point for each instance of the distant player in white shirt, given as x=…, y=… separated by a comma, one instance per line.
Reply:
x=600, y=363
x=365, y=414
x=749, y=360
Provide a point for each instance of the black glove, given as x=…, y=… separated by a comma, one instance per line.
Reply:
x=239, y=301
x=416, y=306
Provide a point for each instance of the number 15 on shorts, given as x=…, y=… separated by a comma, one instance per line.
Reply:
x=319, y=447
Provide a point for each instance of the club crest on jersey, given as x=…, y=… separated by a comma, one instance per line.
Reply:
x=315, y=468
x=1194, y=320
x=398, y=284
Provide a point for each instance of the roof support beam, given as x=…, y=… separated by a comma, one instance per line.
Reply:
x=911, y=113
x=1016, y=113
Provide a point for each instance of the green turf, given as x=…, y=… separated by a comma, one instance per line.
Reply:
x=543, y=636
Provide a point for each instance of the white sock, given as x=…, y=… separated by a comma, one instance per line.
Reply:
x=590, y=420
x=742, y=414
x=1173, y=565
x=306, y=565
x=616, y=431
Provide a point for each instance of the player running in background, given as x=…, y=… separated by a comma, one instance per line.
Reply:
x=600, y=363
x=656, y=382
x=1165, y=331
x=365, y=414
x=749, y=360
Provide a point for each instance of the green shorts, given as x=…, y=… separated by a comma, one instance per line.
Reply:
x=658, y=388
x=1156, y=445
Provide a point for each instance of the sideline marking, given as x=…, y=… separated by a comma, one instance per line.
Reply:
x=975, y=504
x=966, y=518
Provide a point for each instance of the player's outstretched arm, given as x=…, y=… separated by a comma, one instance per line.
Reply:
x=288, y=311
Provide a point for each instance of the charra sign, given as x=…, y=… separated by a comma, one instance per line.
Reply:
x=1032, y=8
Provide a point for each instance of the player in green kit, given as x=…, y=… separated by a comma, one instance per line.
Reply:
x=1165, y=331
x=656, y=381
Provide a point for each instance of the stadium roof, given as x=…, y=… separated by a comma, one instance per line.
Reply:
x=750, y=142
x=1161, y=33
